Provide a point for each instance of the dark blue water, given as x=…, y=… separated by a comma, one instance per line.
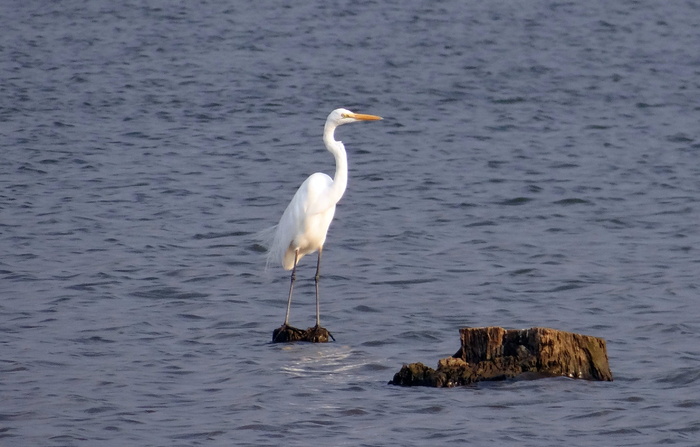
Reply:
x=538, y=165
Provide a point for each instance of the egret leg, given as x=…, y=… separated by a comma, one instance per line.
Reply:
x=291, y=287
x=316, y=279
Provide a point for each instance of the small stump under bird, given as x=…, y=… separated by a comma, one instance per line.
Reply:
x=304, y=224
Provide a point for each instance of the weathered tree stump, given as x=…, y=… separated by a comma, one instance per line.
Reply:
x=286, y=334
x=494, y=353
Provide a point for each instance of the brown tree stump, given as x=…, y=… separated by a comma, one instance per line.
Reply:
x=287, y=334
x=494, y=353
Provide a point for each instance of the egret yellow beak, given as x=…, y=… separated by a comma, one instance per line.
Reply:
x=363, y=117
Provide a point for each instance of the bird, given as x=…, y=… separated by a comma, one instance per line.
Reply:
x=303, y=227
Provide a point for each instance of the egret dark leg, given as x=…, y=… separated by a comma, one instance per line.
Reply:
x=319, y=333
x=291, y=287
x=316, y=279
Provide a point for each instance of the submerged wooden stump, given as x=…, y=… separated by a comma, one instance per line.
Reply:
x=286, y=334
x=494, y=353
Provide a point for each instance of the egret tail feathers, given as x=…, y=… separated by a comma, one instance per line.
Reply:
x=266, y=238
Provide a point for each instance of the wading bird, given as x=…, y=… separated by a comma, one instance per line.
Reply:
x=303, y=226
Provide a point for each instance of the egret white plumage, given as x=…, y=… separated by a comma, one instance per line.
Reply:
x=304, y=224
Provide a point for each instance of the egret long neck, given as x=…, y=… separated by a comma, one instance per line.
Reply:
x=340, y=180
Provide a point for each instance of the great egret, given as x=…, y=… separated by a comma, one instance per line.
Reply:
x=303, y=226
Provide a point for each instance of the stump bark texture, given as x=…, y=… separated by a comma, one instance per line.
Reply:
x=494, y=353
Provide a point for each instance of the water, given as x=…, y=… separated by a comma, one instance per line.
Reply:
x=537, y=166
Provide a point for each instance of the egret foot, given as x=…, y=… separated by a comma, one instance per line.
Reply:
x=318, y=334
x=287, y=333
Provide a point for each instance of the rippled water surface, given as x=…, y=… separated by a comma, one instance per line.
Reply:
x=537, y=166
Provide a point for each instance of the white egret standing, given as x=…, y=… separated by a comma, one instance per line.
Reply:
x=304, y=224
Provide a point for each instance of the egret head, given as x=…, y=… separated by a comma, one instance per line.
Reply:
x=344, y=116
